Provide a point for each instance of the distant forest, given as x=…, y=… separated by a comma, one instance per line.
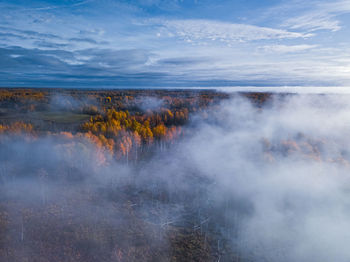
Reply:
x=127, y=123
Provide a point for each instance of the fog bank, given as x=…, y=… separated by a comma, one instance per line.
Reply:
x=272, y=183
x=287, y=165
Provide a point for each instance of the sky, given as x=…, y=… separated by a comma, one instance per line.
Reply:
x=174, y=43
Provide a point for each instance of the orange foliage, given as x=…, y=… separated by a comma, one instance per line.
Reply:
x=16, y=128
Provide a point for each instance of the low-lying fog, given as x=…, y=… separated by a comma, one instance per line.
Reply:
x=274, y=182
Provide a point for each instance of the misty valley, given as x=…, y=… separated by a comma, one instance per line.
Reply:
x=173, y=175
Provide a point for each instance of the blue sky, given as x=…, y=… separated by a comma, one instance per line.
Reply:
x=155, y=43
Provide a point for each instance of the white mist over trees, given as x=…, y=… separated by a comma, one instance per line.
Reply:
x=288, y=167
x=272, y=183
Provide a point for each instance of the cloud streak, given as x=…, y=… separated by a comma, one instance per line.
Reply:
x=207, y=30
x=320, y=16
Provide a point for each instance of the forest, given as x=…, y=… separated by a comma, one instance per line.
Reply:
x=171, y=175
x=128, y=124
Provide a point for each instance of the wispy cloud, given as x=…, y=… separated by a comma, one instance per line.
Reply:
x=27, y=33
x=320, y=16
x=194, y=30
x=287, y=48
x=51, y=7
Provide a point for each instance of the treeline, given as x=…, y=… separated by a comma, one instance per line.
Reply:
x=16, y=128
x=129, y=124
x=40, y=99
